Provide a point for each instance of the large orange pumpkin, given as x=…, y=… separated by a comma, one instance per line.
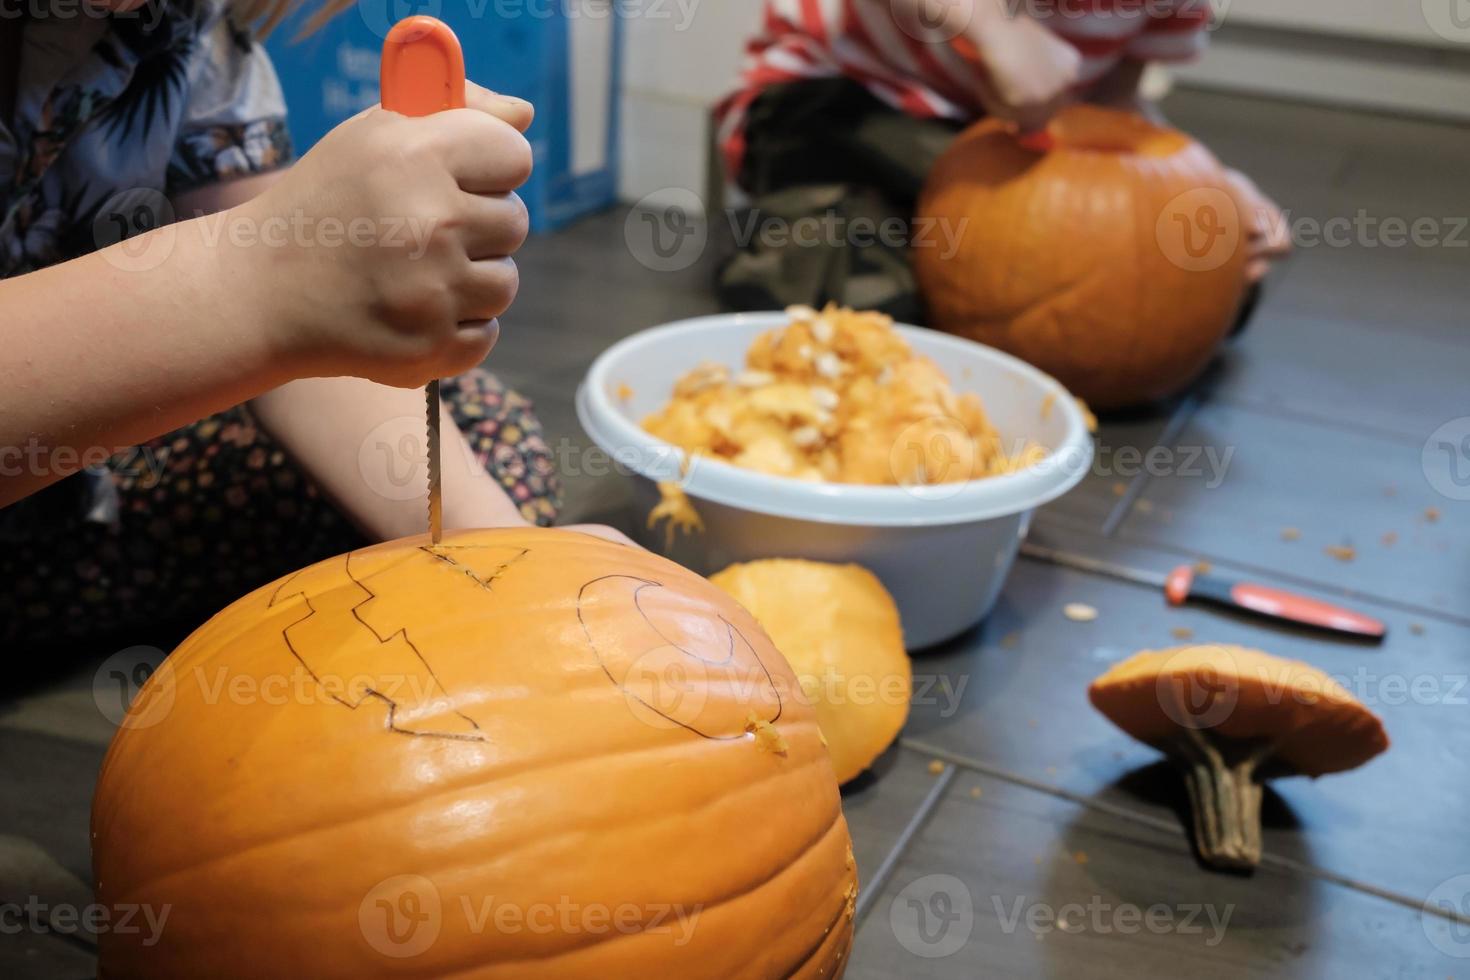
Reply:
x=1115, y=261
x=518, y=754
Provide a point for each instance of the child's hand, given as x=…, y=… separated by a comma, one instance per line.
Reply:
x=1030, y=70
x=1267, y=233
x=385, y=252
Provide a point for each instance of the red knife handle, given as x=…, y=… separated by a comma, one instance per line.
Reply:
x=1184, y=584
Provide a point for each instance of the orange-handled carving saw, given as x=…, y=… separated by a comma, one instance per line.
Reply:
x=423, y=73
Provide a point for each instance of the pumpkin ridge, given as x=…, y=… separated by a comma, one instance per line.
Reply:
x=704, y=909
x=815, y=951
x=335, y=826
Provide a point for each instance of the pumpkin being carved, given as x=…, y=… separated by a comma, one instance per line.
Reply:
x=1115, y=261
x=522, y=753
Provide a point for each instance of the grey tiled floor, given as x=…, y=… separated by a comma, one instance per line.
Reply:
x=1356, y=355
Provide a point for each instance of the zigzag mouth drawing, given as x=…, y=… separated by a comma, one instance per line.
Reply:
x=386, y=666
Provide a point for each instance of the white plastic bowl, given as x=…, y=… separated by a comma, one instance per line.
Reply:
x=942, y=550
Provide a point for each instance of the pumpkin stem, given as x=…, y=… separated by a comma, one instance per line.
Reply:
x=1224, y=797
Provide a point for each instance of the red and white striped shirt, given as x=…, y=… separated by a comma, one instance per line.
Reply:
x=915, y=69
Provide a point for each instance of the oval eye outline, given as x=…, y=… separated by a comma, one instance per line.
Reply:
x=735, y=640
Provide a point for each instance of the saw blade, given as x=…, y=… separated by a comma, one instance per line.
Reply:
x=436, y=494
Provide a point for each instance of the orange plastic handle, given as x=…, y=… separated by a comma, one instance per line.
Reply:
x=423, y=67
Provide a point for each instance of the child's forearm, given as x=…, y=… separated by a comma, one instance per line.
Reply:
x=122, y=345
x=363, y=444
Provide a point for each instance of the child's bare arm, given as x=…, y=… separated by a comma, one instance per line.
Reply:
x=121, y=345
x=364, y=445
x=99, y=355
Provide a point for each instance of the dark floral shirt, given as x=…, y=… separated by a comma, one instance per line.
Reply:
x=114, y=115
x=128, y=106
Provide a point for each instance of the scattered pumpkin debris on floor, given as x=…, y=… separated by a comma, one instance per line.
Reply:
x=1079, y=612
x=1080, y=857
x=1416, y=628
x=1119, y=489
x=1342, y=552
x=935, y=767
x=1011, y=640
x=1431, y=514
x=1390, y=538
x=1290, y=534
x=1203, y=567
x=1182, y=633
x=975, y=793
x=1144, y=506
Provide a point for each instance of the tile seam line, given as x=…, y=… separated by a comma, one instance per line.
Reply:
x=1247, y=568
x=869, y=893
x=1276, y=862
x=1186, y=411
x=1268, y=410
x=1399, y=605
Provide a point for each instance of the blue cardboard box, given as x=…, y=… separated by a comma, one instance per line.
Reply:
x=563, y=55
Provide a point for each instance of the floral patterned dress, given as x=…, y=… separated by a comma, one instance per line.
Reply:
x=115, y=115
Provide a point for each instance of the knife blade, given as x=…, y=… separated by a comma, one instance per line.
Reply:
x=422, y=72
x=1188, y=584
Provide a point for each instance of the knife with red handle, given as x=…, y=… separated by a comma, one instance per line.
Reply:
x=1187, y=583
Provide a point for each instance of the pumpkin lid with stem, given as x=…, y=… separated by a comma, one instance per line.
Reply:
x=1232, y=716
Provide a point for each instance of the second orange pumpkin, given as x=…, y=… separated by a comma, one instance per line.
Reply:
x=1114, y=261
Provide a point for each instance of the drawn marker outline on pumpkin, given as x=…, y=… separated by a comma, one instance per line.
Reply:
x=731, y=633
x=370, y=692
x=437, y=551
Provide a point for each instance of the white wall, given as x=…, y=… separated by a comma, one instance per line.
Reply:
x=1429, y=22
x=679, y=58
